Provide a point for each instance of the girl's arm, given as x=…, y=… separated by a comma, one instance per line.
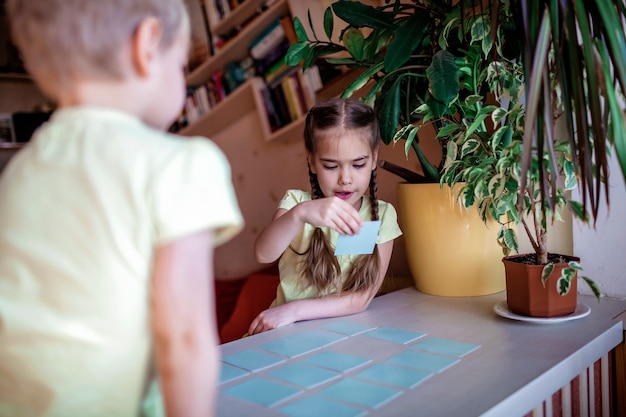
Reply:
x=329, y=306
x=183, y=325
x=331, y=212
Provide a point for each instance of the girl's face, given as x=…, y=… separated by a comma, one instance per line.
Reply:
x=343, y=163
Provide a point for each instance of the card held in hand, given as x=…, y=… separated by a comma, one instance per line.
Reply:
x=361, y=243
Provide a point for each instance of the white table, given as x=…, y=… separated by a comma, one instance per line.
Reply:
x=517, y=366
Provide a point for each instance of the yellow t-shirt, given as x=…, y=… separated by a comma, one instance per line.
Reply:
x=82, y=209
x=291, y=283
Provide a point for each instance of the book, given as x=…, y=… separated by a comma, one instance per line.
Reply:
x=267, y=41
x=270, y=109
x=265, y=63
x=280, y=103
x=290, y=96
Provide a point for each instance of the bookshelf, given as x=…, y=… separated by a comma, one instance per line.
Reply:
x=252, y=18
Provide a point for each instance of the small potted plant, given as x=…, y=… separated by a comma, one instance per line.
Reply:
x=484, y=153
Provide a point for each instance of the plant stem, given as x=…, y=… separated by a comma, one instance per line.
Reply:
x=406, y=174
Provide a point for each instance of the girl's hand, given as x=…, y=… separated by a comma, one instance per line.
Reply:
x=271, y=319
x=331, y=212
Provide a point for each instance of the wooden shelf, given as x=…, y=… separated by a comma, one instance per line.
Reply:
x=15, y=76
x=8, y=146
x=247, y=97
x=244, y=12
x=227, y=111
x=236, y=48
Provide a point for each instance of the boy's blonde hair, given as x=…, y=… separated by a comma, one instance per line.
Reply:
x=65, y=40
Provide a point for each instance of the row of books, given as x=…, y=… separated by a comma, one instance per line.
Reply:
x=202, y=99
x=288, y=95
x=286, y=99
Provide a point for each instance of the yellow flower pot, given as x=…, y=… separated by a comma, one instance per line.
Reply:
x=449, y=249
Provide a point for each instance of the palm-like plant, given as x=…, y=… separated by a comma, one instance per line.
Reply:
x=589, y=39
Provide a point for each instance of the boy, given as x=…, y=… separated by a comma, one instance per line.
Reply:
x=107, y=224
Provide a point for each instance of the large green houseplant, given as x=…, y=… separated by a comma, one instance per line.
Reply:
x=402, y=55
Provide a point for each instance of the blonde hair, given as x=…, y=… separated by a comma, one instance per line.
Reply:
x=65, y=40
x=320, y=267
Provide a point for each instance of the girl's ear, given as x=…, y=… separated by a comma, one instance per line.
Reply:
x=145, y=45
x=311, y=160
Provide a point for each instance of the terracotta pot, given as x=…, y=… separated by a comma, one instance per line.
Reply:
x=526, y=294
x=449, y=249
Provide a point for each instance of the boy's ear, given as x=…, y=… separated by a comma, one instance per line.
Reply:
x=145, y=44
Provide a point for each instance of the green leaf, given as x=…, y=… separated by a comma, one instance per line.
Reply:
x=575, y=265
x=477, y=123
x=358, y=15
x=406, y=39
x=579, y=210
x=443, y=79
x=360, y=83
x=545, y=273
x=447, y=130
x=300, y=31
x=328, y=22
x=296, y=53
x=563, y=284
x=390, y=111
x=594, y=287
x=510, y=239
x=451, y=153
x=320, y=50
x=353, y=41
x=469, y=146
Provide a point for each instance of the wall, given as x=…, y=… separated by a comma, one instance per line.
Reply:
x=601, y=249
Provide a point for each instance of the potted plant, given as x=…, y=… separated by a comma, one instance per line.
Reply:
x=485, y=152
x=404, y=46
x=403, y=55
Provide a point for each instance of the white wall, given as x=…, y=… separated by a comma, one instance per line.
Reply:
x=602, y=249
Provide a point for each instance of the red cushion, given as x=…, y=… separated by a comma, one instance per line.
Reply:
x=256, y=295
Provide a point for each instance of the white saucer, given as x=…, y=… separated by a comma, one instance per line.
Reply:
x=502, y=309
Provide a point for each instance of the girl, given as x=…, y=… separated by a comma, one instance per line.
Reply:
x=341, y=137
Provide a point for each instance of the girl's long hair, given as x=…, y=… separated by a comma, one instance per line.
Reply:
x=320, y=266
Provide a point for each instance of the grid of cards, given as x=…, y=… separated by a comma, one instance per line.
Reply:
x=284, y=372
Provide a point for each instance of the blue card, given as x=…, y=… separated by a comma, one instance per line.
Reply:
x=252, y=360
x=360, y=244
x=316, y=406
x=349, y=328
x=394, y=375
x=301, y=343
x=228, y=373
x=445, y=346
x=262, y=391
x=360, y=393
x=337, y=361
x=303, y=375
x=395, y=335
x=423, y=360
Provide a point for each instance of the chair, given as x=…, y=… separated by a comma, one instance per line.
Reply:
x=256, y=295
